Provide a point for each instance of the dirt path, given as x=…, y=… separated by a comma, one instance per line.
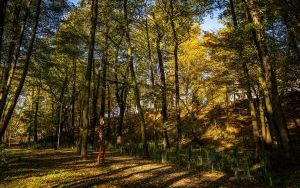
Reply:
x=63, y=168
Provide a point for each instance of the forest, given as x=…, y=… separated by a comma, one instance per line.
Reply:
x=135, y=93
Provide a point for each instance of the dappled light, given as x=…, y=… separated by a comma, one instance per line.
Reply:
x=49, y=168
x=149, y=93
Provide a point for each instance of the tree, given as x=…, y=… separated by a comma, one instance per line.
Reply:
x=252, y=107
x=3, y=4
x=268, y=81
x=177, y=92
x=87, y=85
x=133, y=77
x=24, y=73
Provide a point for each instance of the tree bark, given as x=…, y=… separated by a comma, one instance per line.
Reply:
x=7, y=82
x=24, y=73
x=151, y=68
x=135, y=84
x=3, y=4
x=102, y=149
x=177, y=92
x=59, y=109
x=35, y=123
x=269, y=83
x=252, y=108
x=108, y=130
x=87, y=84
x=95, y=111
x=121, y=96
x=150, y=58
x=73, y=102
x=265, y=128
x=163, y=89
x=11, y=48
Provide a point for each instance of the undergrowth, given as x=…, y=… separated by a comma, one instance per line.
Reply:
x=240, y=164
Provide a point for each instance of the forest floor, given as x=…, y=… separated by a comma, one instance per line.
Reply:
x=63, y=168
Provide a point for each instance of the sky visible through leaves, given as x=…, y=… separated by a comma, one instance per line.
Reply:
x=210, y=23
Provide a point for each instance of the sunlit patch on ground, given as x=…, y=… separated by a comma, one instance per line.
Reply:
x=63, y=168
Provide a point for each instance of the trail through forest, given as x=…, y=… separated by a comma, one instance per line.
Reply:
x=63, y=168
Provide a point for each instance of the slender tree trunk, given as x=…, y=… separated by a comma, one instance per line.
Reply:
x=122, y=107
x=3, y=4
x=121, y=100
x=121, y=97
x=11, y=48
x=177, y=92
x=108, y=130
x=59, y=109
x=102, y=149
x=252, y=108
x=150, y=58
x=80, y=122
x=95, y=111
x=265, y=128
x=60, y=123
x=7, y=83
x=73, y=102
x=164, y=110
x=273, y=104
x=227, y=105
x=35, y=123
x=135, y=84
x=87, y=84
x=24, y=73
x=150, y=64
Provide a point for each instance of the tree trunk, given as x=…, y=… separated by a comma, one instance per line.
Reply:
x=177, y=92
x=121, y=99
x=108, y=130
x=265, y=128
x=164, y=110
x=150, y=64
x=7, y=82
x=150, y=59
x=59, y=109
x=102, y=149
x=3, y=4
x=87, y=84
x=80, y=107
x=24, y=73
x=95, y=111
x=269, y=85
x=35, y=123
x=121, y=96
x=135, y=84
x=252, y=108
x=11, y=48
x=73, y=102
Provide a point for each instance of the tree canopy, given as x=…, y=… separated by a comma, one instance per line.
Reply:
x=143, y=74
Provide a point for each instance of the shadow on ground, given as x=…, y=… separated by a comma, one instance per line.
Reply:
x=63, y=168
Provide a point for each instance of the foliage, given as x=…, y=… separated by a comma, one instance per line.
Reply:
x=238, y=86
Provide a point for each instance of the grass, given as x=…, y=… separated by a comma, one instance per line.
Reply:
x=63, y=168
